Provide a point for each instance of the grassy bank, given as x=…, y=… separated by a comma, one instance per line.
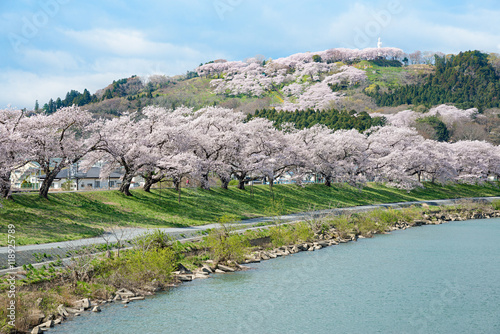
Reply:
x=70, y=216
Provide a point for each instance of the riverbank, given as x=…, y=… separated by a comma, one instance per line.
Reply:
x=44, y=254
x=220, y=251
x=73, y=216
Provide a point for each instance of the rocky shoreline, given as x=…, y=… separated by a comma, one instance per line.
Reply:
x=261, y=251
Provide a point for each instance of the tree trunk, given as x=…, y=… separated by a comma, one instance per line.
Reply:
x=241, y=181
x=271, y=183
x=50, y=176
x=177, y=184
x=224, y=182
x=125, y=186
x=328, y=181
x=47, y=182
x=5, y=186
x=205, y=184
x=148, y=182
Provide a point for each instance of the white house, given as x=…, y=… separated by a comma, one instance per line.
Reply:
x=70, y=179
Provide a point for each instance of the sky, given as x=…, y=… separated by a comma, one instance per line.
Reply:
x=49, y=47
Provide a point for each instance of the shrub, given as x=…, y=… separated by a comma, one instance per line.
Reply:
x=366, y=225
x=343, y=224
x=225, y=245
x=156, y=240
x=304, y=232
x=290, y=234
x=136, y=267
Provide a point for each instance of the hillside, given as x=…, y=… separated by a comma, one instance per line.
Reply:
x=467, y=80
x=377, y=81
x=266, y=83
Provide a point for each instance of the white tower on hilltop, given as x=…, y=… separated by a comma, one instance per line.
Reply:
x=379, y=45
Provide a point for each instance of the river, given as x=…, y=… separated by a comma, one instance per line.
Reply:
x=430, y=279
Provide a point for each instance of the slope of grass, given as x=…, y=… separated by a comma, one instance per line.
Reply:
x=392, y=77
x=70, y=216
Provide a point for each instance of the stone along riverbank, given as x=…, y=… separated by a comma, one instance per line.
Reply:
x=270, y=244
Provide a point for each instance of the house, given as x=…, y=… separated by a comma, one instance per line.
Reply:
x=26, y=177
x=72, y=179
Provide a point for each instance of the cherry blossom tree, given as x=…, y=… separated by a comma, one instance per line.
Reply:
x=475, y=160
x=213, y=131
x=387, y=163
x=125, y=145
x=338, y=156
x=13, y=150
x=168, y=137
x=273, y=152
x=430, y=160
x=58, y=140
x=242, y=160
x=308, y=79
x=450, y=115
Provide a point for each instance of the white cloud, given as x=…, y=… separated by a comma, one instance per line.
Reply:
x=52, y=60
x=100, y=57
x=21, y=88
x=128, y=43
x=362, y=24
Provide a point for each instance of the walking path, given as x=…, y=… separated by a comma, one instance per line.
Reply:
x=52, y=251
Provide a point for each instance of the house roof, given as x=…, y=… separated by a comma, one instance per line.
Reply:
x=92, y=173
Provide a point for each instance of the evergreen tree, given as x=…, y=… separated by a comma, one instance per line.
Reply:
x=467, y=80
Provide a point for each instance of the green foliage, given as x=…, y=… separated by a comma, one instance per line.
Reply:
x=385, y=217
x=496, y=204
x=466, y=79
x=91, y=290
x=317, y=59
x=332, y=118
x=225, y=246
x=66, y=185
x=136, y=266
x=72, y=97
x=156, y=240
x=382, y=62
x=343, y=224
x=291, y=234
x=366, y=225
x=276, y=208
x=442, y=133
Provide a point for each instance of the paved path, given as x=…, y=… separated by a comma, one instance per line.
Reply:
x=35, y=253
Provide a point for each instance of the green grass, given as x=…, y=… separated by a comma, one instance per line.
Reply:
x=383, y=76
x=70, y=216
x=393, y=77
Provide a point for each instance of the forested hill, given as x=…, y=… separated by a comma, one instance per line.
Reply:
x=466, y=80
x=333, y=119
x=337, y=79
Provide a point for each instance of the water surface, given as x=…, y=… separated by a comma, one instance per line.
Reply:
x=431, y=279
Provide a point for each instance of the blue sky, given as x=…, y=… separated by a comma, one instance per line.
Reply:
x=52, y=46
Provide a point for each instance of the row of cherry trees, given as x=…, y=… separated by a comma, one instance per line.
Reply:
x=171, y=144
